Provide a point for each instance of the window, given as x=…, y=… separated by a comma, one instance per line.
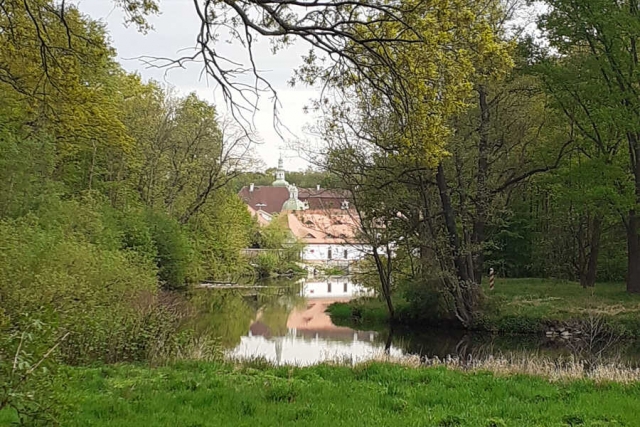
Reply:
x=329, y=254
x=346, y=254
x=328, y=287
x=346, y=287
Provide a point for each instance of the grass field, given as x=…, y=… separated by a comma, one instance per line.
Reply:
x=523, y=306
x=208, y=394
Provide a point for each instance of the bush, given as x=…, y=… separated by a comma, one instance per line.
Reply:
x=26, y=370
x=105, y=299
x=266, y=263
x=220, y=232
x=174, y=256
x=425, y=303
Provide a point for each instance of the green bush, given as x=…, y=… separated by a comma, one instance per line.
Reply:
x=425, y=303
x=174, y=256
x=26, y=375
x=266, y=263
x=219, y=233
x=105, y=300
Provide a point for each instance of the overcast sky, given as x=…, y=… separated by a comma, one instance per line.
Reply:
x=175, y=29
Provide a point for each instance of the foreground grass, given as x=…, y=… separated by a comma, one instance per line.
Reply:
x=209, y=394
x=521, y=306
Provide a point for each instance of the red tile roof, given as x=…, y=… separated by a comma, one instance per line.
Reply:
x=274, y=197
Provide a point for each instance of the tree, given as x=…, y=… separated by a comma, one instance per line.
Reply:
x=184, y=154
x=597, y=69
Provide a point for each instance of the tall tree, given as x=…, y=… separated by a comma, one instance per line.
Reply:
x=598, y=70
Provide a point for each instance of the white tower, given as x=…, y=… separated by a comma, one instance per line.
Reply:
x=280, y=181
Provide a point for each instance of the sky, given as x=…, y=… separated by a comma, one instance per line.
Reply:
x=175, y=29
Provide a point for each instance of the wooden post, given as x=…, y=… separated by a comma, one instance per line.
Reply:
x=492, y=278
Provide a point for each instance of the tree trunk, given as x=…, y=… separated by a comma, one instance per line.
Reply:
x=633, y=254
x=482, y=192
x=93, y=165
x=385, y=281
x=450, y=223
x=462, y=289
x=633, y=239
x=589, y=278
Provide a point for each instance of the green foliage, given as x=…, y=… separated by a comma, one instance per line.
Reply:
x=281, y=249
x=515, y=306
x=65, y=276
x=101, y=177
x=392, y=395
x=266, y=263
x=425, y=303
x=26, y=376
x=220, y=232
x=174, y=253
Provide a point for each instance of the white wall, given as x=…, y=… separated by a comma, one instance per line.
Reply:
x=320, y=252
x=332, y=287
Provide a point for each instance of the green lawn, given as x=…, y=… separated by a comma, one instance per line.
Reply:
x=209, y=394
x=525, y=306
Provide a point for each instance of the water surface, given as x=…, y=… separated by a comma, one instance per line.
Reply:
x=285, y=323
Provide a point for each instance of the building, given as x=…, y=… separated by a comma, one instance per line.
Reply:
x=321, y=218
x=330, y=236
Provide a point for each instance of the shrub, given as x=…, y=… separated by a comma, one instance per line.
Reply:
x=425, y=302
x=174, y=255
x=105, y=299
x=266, y=263
x=26, y=369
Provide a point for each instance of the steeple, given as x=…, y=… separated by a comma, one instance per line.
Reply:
x=280, y=181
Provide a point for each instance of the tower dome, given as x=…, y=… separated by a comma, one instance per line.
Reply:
x=293, y=204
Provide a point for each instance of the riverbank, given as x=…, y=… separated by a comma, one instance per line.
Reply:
x=520, y=306
x=223, y=394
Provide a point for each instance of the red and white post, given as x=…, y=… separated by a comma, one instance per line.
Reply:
x=492, y=278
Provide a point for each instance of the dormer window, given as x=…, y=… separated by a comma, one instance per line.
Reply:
x=344, y=205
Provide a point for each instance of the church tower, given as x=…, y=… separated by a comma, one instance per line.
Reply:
x=280, y=181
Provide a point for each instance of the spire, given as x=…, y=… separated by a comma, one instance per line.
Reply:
x=280, y=181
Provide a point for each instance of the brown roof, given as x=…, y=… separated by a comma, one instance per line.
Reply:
x=323, y=198
x=271, y=197
x=274, y=197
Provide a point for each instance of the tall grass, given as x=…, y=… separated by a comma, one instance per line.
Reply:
x=374, y=393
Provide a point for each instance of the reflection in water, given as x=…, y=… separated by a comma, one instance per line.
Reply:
x=308, y=335
x=286, y=323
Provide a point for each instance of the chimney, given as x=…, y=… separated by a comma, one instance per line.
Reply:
x=318, y=187
x=251, y=186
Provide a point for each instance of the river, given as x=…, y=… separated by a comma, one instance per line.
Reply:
x=284, y=322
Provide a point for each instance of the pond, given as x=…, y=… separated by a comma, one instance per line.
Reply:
x=285, y=322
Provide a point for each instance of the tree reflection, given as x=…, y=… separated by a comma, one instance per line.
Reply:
x=227, y=314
